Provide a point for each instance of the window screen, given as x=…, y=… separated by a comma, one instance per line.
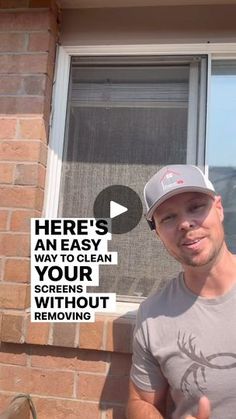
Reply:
x=126, y=118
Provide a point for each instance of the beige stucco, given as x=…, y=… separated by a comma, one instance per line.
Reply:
x=73, y=4
x=144, y=25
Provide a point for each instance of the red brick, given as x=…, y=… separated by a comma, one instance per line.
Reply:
x=22, y=21
x=26, y=174
x=52, y=383
x=5, y=400
x=20, y=220
x=12, y=296
x=8, y=128
x=37, y=381
x=39, y=41
x=43, y=154
x=10, y=85
x=14, y=378
x=2, y=260
x=12, y=354
x=53, y=357
x=61, y=409
x=15, y=104
x=17, y=270
x=120, y=335
x=19, y=197
x=12, y=327
x=35, y=85
x=64, y=334
x=31, y=129
x=37, y=333
x=12, y=42
x=6, y=172
x=105, y=389
x=29, y=151
x=14, y=244
x=120, y=364
x=41, y=176
x=20, y=150
x=71, y=359
x=39, y=200
x=91, y=335
x=91, y=361
x=23, y=63
x=48, y=90
x=3, y=219
x=47, y=108
x=27, y=299
x=90, y=386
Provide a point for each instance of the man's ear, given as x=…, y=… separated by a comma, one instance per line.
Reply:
x=151, y=224
x=219, y=207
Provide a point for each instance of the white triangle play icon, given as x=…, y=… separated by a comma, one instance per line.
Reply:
x=116, y=209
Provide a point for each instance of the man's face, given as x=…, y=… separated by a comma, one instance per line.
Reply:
x=190, y=227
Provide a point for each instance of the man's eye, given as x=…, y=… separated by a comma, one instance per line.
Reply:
x=167, y=218
x=197, y=207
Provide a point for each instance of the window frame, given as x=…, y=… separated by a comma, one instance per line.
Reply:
x=213, y=51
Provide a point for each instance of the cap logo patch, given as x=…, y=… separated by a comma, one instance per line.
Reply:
x=171, y=179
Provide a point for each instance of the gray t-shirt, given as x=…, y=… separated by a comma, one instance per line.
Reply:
x=189, y=343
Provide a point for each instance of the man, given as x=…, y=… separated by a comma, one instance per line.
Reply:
x=185, y=337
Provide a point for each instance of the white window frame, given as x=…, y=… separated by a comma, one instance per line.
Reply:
x=59, y=106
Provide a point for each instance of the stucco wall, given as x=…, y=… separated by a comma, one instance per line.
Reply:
x=145, y=25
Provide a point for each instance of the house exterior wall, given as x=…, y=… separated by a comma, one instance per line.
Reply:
x=27, y=55
x=71, y=370
x=148, y=25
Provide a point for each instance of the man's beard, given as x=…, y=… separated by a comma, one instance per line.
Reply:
x=193, y=261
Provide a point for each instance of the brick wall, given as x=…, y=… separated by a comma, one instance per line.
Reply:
x=70, y=370
x=27, y=54
x=74, y=383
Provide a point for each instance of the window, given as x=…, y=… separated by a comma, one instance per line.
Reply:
x=127, y=117
x=221, y=150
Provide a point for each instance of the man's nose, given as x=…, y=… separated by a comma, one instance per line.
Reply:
x=185, y=222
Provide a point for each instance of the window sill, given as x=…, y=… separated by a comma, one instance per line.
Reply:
x=112, y=332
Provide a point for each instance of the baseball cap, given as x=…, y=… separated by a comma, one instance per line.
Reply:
x=172, y=180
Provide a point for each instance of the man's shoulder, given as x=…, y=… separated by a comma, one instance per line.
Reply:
x=162, y=300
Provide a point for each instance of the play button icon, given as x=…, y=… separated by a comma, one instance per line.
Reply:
x=116, y=209
x=120, y=203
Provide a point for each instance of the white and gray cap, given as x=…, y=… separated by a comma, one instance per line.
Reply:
x=173, y=180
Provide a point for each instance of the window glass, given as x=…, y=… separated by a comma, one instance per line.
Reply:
x=125, y=120
x=221, y=150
